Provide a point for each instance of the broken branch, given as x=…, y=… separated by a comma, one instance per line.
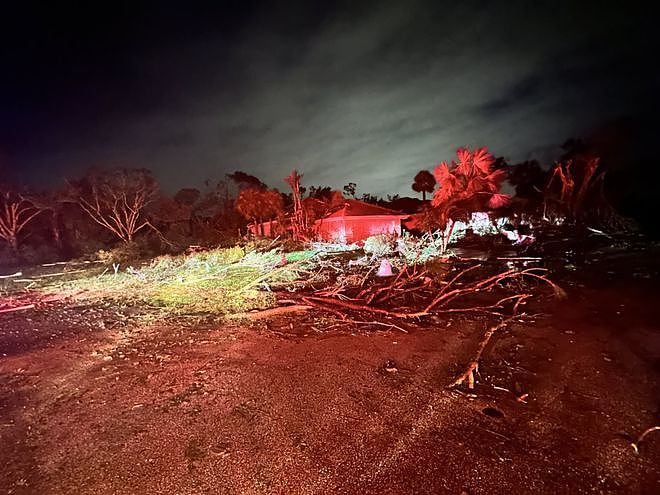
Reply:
x=473, y=366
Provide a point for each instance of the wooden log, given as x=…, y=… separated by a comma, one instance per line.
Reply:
x=269, y=313
x=17, y=308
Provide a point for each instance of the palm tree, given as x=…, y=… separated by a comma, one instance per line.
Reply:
x=424, y=183
x=471, y=184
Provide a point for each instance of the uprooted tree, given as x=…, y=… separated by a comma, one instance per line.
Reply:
x=16, y=212
x=116, y=200
x=468, y=185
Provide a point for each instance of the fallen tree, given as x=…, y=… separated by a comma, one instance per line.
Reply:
x=439, y=296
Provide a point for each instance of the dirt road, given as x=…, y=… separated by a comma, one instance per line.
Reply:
x=297, y=406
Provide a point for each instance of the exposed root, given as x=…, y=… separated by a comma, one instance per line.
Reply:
x=416, y=284
x=315, y=302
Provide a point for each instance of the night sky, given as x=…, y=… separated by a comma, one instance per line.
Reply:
x=369, y=94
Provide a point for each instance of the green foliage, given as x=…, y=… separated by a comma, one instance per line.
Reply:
x=223, y=294
x=123, y=253
x=431, y=246
x=221, y=280
x=300, y=255
x=379, y=245
x=420, y=250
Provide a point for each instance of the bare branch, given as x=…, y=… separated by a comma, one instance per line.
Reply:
x=116, y=200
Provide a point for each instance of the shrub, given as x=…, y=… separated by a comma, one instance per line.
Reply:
x=380, y=245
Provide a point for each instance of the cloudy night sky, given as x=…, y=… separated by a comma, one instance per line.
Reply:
x=367, y=92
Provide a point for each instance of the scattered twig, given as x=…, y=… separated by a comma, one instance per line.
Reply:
x=389, y=325
x=635, y=444
x=61, y=273
x=357, y=306
x=519, y=258
x=324, y=307
x=17, y=308
x=270, y=274
x=17, y=274
x=494, y=433
x=473, y=366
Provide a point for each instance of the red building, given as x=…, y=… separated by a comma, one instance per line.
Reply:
x=357, y=220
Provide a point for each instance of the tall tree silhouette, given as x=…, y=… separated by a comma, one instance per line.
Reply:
x=350, y=189
x=246, y=181
x=424, y=182
x=574, y=179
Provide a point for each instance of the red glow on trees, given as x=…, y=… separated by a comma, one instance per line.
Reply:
x=575, y=177
x=15, y=213
x=299, y=219
x=470, y=184
x=258, y=205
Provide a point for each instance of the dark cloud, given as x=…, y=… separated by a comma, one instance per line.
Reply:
x=367, y=94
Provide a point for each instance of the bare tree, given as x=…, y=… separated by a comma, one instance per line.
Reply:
x=16, y=211
x=117, y=199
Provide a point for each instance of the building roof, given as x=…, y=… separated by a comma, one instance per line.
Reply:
x=356, y=208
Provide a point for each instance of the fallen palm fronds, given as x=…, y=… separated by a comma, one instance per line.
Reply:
x=230, y=280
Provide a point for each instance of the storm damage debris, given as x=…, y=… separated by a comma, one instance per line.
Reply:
x=419, y=291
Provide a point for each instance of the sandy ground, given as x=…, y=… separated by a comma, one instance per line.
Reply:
x=88, y=405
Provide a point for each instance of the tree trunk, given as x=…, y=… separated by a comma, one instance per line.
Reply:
x=56, y=231
x=449, y=228
x=13, y=243
x=423, y=195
